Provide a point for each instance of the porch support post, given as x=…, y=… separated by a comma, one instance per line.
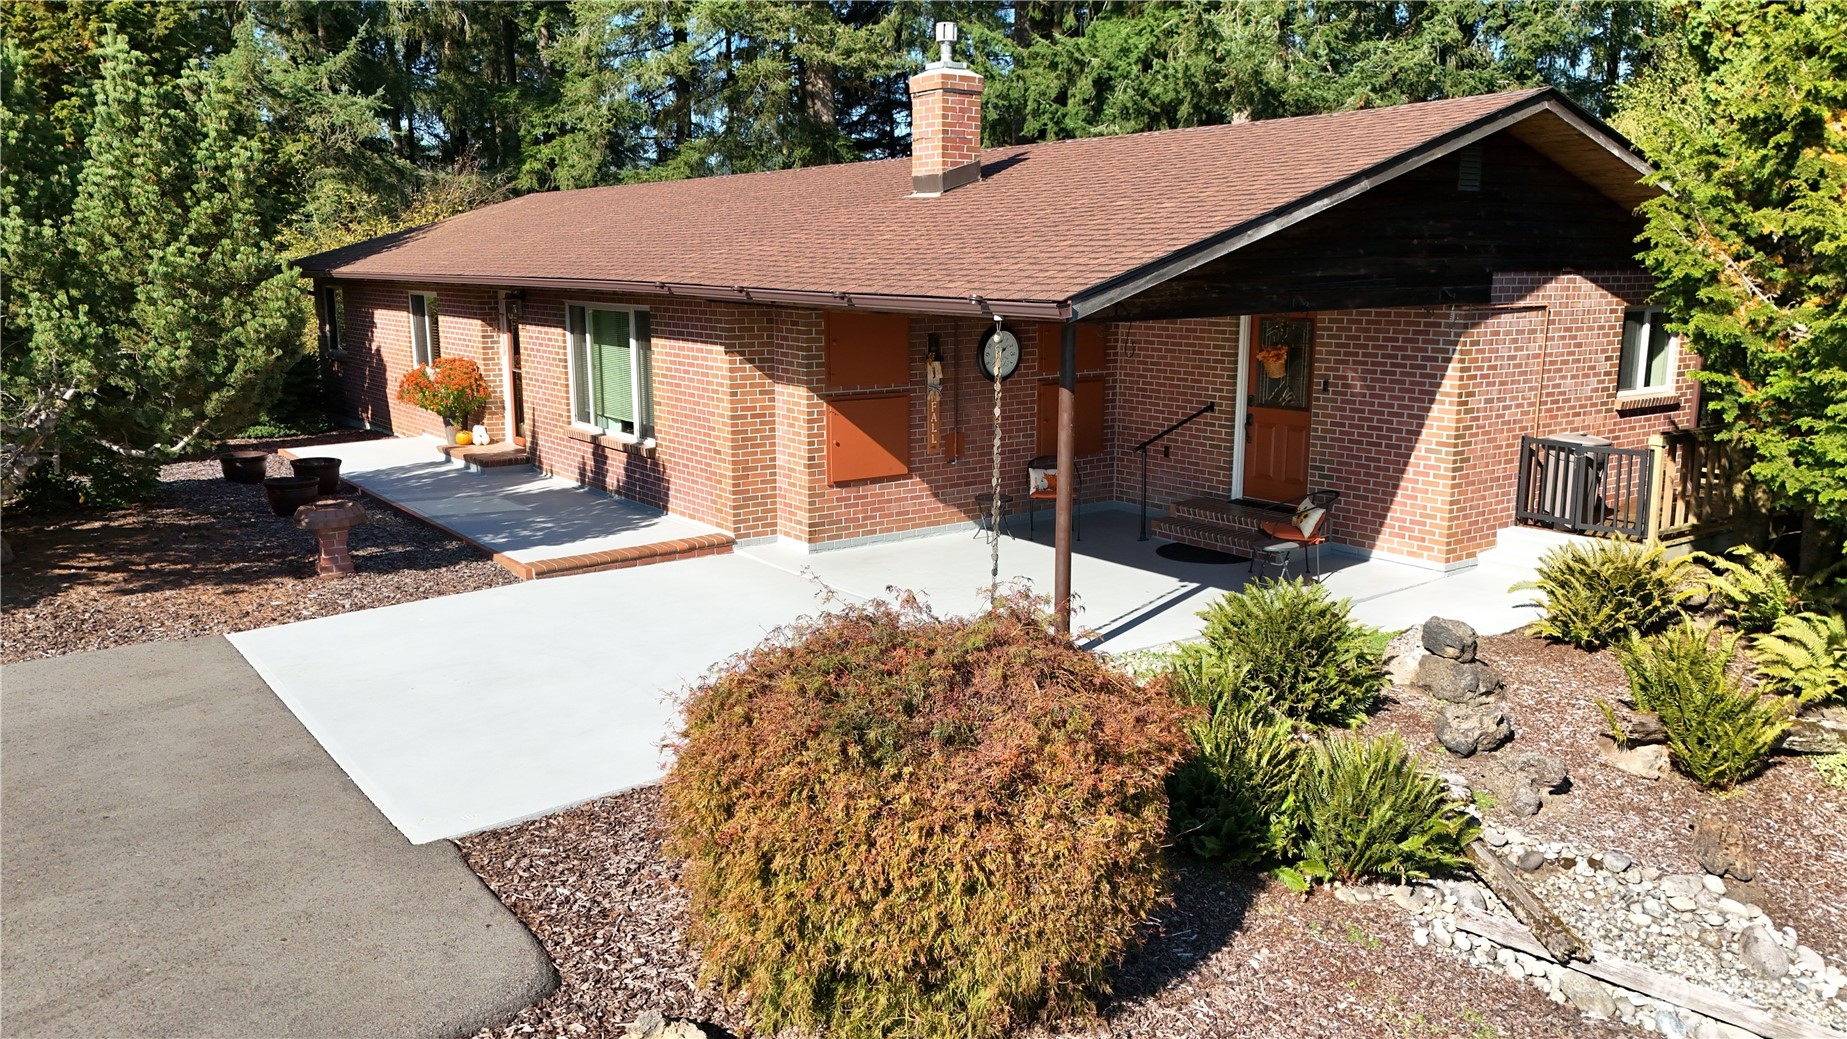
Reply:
x=1067, y=445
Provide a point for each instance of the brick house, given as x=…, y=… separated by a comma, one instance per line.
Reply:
x=1380, y=302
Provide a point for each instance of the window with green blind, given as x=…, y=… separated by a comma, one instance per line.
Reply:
x=611, y=369
x=1647, y=363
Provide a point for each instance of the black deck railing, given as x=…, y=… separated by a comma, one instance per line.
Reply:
x=1142, y=449
x=1585, y=488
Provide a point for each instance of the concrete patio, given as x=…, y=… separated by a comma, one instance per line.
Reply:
x=468, y=712
x=533, y=524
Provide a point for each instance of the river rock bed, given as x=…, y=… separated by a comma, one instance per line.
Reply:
x=1685, y=925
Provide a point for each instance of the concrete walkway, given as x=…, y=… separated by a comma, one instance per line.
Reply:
x=467, y=712
x=533, y=524
x=183, y=860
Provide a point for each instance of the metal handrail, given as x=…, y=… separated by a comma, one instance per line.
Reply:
x=1142, y=449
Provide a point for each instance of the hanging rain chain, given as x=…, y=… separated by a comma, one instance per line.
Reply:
x=994, y=505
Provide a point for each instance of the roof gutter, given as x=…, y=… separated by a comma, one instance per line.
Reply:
x=965, y=306
x=1129, y=283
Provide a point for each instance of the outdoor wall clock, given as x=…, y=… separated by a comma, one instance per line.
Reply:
x=999, y=354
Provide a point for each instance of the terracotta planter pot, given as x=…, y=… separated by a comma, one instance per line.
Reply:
x=245, y=466
x=327, y=470
x=288, y=493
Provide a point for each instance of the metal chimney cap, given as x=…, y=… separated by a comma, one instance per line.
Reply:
x=946, y=35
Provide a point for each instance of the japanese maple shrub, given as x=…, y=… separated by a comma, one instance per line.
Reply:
x=452, y=387
x=897, y=825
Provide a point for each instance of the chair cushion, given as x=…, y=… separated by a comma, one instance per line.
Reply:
x=1044, y=481
x=1282, y=530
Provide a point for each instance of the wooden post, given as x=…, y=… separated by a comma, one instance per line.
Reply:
x=1067, y=446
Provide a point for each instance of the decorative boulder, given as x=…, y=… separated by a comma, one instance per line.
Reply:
x=1466, y=729
x=1522, y=783
x=1447, y=638
x=1453, y=681
x=1718, y=845
x=1649, y=761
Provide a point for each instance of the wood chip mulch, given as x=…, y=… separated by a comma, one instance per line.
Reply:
x=1236, y=954
x=209, y=557
x=1797, y=824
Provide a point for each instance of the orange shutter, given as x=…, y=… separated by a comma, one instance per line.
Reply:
x=866, y=351
x=1088, y=424
x=868, y=437
x=1092, y=348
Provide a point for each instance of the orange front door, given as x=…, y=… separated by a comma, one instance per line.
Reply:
x=1276, y=424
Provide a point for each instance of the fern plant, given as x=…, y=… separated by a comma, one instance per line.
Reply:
x=1755, y=587
x=1235, y=798
x=1294, y=649
x=1598, y=593
x=1718, y=732
x=1805, y=656
x=1368, y=810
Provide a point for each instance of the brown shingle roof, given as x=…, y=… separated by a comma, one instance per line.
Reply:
x=1046, y=223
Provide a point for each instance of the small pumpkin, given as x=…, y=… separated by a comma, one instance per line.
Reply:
x=463, y=438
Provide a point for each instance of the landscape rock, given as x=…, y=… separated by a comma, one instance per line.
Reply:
x=1587, y=994
x=653, y=1024
x=1453, y=681
x=1648, y=761
x=1529, y=861
x=1467, y=729
x=1616, y=861
x=1810, y=734
x=1718, y=845
x=1451, y=639
x=1522, y=783
x=1683, y=885
x=1761, y=953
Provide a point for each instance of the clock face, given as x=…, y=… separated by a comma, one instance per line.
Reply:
x=999, y=354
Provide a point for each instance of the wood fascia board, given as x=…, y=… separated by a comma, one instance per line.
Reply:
x=972, y=305
x=1147, y=276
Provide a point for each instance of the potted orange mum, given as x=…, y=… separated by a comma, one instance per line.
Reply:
x=452, y=387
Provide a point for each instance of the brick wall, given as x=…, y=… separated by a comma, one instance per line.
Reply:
x=377, y=337
x=1416, y=420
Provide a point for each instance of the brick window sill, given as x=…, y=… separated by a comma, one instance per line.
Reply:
x=1647, y=401
x=644, y=448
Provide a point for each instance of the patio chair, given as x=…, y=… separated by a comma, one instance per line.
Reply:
x=1042, y=485
x=1307, y=530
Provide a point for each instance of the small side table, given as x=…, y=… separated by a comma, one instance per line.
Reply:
x=1276, y=554
x=985, y=504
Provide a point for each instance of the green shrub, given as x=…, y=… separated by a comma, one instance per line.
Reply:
x=1234, y=799
x=897, y=825
x=1805, y=657
x=1833, y=769
x=1755, y=588
x=301, y=406
x=1718, y=732
x=1296, y=650
x=1369, y=811
x=1598, y=593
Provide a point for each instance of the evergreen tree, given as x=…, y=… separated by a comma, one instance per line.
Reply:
x=154, y=314
x=1749, y=245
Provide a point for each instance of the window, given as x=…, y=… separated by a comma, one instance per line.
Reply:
x=333, y=320
x=425, y=346
x=1648, y=352
x=612, y=377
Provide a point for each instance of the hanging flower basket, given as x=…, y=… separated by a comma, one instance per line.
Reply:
x=1275, y=360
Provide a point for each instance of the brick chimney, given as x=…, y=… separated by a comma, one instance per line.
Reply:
x=945, y=122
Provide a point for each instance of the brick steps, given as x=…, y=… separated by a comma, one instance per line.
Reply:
x=621, y=558
x=1217, y=524
x=486, y=456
